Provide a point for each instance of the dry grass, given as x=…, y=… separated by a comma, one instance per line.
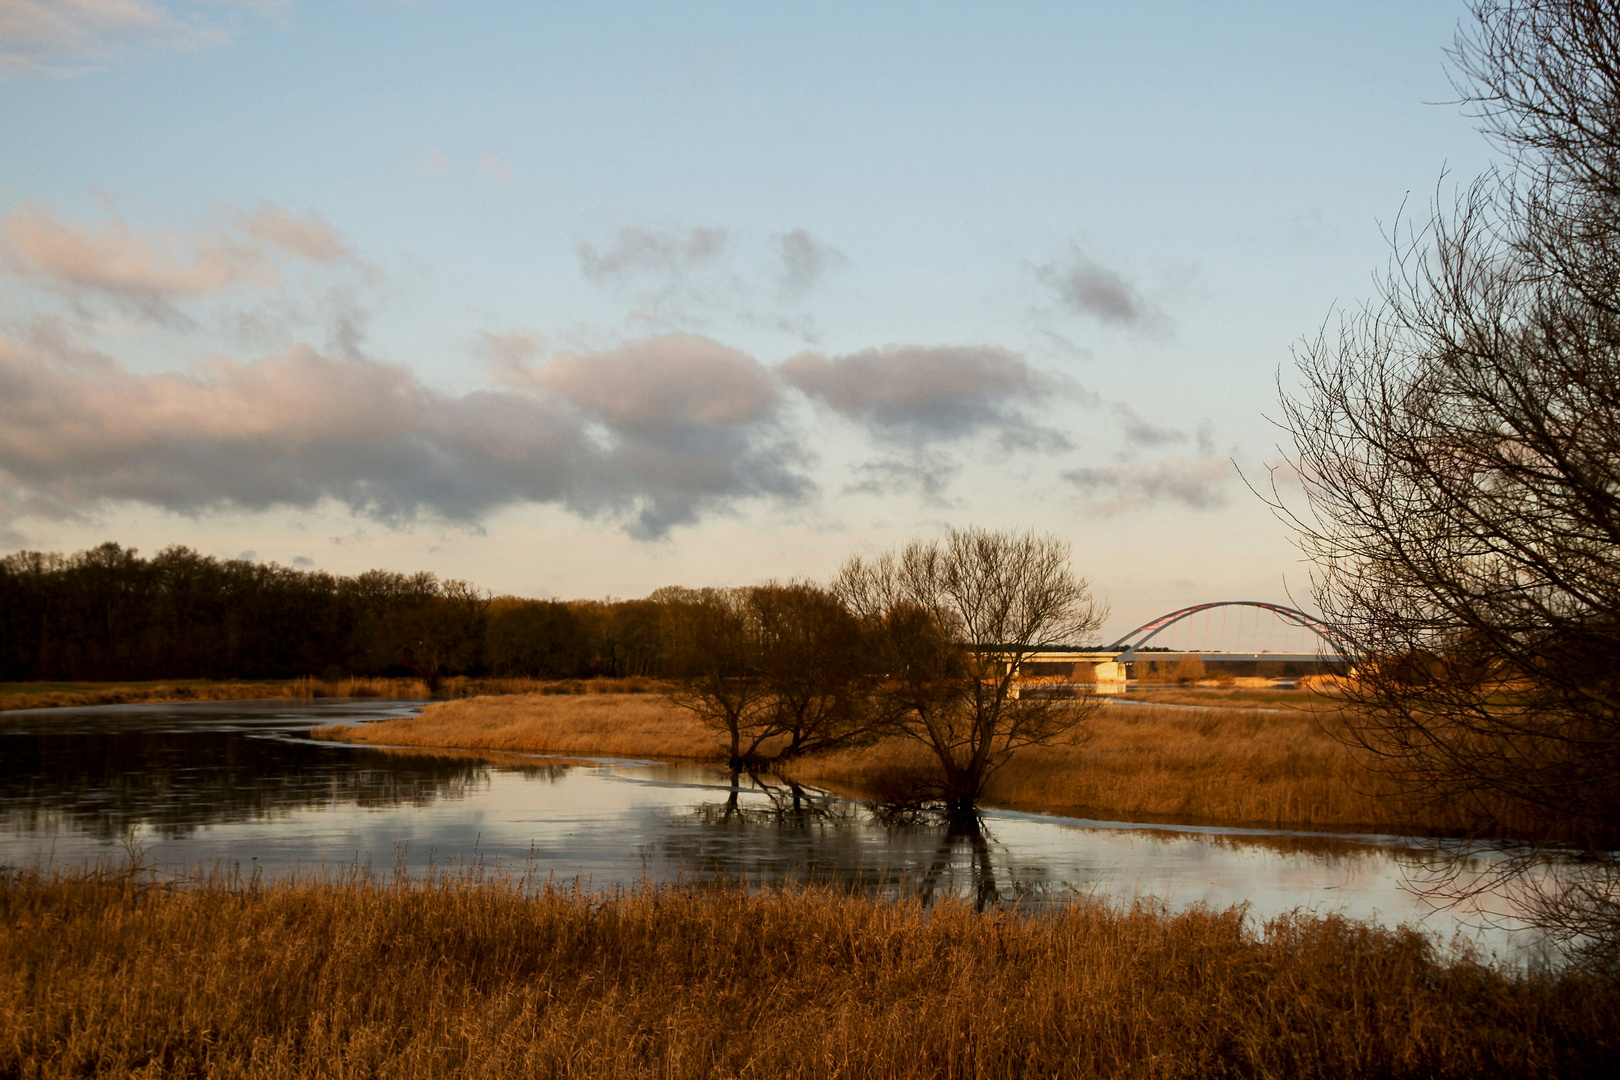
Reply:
x=59, y=695
x=1139, y=763
x=1260, y=693
x=603, y=724
x=64, y=695
x=1205, y=766
x=460, y=978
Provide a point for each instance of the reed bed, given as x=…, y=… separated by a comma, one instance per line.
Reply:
x=1213, y=766
x=634, y=725
x=105, y=976
x=1274, y=769
x=59, y=695
x=66, y=695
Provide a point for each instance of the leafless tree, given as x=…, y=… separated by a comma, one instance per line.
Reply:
x=1459, y=446
x=715, y=659
x=816, y=666
x=779, y=670
x=949, y=623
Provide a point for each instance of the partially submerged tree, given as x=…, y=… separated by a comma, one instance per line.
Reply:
x=949, y=623
x=816, y=665
x=779, y=670
x=715, y=659
x=1459, y=446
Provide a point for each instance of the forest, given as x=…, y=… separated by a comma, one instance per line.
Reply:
x=107, y=614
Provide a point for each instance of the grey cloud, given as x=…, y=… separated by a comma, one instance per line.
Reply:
x=929, y=473
x=1139, y=432
x=804, y=262
x=671, y=381
x=1206, y=438
x=511, y=353
x=1195, y=483
x=77, y=430
x=919, y=392
x=303, y=562
x=640, y=252
x=1089, y=288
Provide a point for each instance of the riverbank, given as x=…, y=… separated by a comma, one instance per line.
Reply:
x=15, y=696
x=1279, y=768
x=101, y=975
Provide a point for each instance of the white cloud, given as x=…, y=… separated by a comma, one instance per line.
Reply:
x=306, y=237
x=150, y=272
x=71, y=37
x=492, y=166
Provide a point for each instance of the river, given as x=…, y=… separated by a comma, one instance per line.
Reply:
x=194, y=786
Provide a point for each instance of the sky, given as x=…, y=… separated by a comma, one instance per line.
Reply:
x=580, y=300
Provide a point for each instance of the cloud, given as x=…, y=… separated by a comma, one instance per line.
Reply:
x=804, y=262
x=660, y=383
x=489, y=165
x=1195, y=483
x=916, y=393
x=434, y=162
x=71, y=37
x=492, y=166
x=1139, y=432
x=1088, y=288
x=652, y=253
x=929, y=473
x=307, y=237
x=150, y=272
x=583, y=431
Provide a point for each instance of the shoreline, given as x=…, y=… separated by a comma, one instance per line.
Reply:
x=19, y=697
x=1206, y=768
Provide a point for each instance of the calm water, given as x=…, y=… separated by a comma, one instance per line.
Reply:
x=200, y=784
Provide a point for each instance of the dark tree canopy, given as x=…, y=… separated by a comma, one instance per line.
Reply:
x=109, y=614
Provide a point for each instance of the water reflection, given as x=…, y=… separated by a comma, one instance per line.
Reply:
x=239, y=783
x=107, y=773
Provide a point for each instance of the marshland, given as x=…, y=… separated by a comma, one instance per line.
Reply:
x=566, y=838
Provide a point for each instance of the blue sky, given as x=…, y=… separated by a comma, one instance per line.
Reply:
x=582, y=300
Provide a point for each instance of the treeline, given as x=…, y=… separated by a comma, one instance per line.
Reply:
x=109, y=614
x=924, y=642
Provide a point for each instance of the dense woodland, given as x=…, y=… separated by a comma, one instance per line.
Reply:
x=109, y=614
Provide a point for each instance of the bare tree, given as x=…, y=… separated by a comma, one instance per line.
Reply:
x=950, y=622
x=715, y=655
x=1459, y=447
x=816, y=666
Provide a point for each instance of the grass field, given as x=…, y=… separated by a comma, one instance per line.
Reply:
x=42, y=695
x=1220, y=766
x=103, y=976
x=637, y=725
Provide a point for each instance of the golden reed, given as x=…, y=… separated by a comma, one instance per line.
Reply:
x=1230, y=766
x=59, y=695
x=101, y=975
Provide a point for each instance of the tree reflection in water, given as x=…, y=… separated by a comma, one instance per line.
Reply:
x=104, y=784
x=770, y=830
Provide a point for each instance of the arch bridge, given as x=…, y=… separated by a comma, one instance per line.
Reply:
x=1109, y=663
